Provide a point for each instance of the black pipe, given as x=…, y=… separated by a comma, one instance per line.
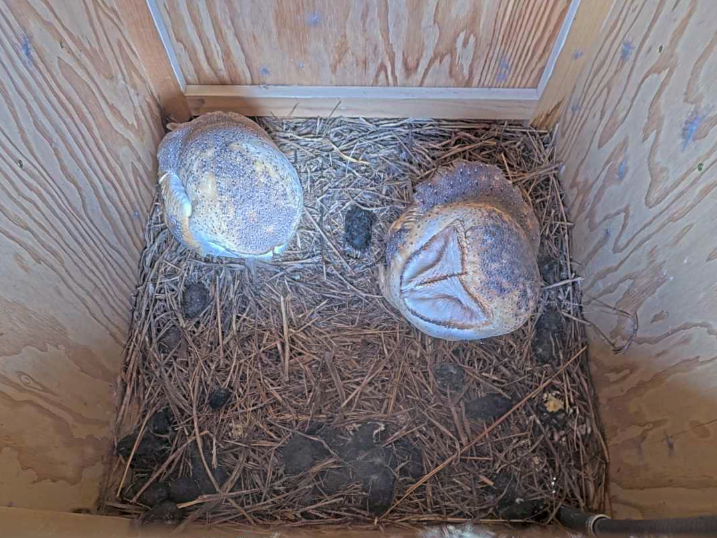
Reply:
x=602, y=525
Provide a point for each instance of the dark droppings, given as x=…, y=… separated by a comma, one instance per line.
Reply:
x=549, y=269
x=206, y=486
x=379, y=456
x=543, y=349
x=334, y=480
x=154, y=494
x=199, y=471
x=358, y=224
x=410, y=459
x=170, y=339
x=183, y=489
x=330, y=436
x=300, y=454
x=165, y=512
x=219, y=398
x=546, y=342
x=449, y=376
x=489, y=407
x=160, y=423
x=150, y=451
x=379, y=483
x=195, y=299
x=519, y=509
x=365, y=438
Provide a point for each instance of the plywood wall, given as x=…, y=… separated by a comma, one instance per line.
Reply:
x=639, y=142
x=427, y=43
x=78, y=128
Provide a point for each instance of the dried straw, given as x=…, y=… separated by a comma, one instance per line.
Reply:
x=309, y=340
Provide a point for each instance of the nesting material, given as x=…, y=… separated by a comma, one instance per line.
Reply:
x=340, y=413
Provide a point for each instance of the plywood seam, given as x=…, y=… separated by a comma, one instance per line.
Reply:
x=166, y=42
x=558, y=45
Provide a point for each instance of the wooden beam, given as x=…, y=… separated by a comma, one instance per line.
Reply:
x=575, y=46
x=393, y=102
x=146, y=29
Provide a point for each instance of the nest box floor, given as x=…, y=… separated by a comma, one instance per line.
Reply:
x=292, y=394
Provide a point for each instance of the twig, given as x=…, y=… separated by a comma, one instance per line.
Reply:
x=563, y=283
x=287, y=344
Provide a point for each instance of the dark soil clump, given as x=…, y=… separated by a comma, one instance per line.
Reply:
x=546, y=344
x=549, y=269
x=206, y=486
x=410, y=459
x=519, y=509
x=366, y=437
x=334, y=480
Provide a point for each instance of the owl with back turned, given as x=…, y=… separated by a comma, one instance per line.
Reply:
x=227, y=188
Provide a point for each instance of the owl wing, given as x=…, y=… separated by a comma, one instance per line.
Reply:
x=177, y=207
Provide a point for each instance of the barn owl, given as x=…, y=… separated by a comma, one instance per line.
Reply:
x=462, y=259
x=227, y=189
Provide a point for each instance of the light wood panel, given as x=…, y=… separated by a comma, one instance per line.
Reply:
x=580, y=42
x=409, y=43
x=79, y=131
x=301, y=101
x=639, y=143
x=149, y=38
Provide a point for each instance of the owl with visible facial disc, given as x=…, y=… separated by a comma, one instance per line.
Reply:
x=461, y=261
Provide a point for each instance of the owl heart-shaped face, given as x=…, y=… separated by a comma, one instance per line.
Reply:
x=432, y=284
x=461, y=260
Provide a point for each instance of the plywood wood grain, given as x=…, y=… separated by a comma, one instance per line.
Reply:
x=78, y=129
x=639, y=142
x=149, y=38
x=429, y=43
x=582, y=39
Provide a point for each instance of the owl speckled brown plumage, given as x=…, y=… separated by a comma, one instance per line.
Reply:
x=461, y=260
x=227, y=189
